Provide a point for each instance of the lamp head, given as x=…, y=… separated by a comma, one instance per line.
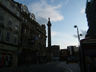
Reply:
x=75, y=26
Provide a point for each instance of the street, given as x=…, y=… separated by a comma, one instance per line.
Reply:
x=49, y=67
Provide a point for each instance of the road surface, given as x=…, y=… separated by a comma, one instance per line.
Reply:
x=49, y=67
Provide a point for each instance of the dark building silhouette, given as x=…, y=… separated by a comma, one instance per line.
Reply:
x=88, y=45
x=91, y=18
x=63, y=54
x=55, y=50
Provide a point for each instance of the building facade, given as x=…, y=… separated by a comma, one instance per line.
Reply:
x=22, y=39
x=9, y=32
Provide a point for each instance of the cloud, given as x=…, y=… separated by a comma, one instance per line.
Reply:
x=41, y=20
x=82, y=11
x=45, y=10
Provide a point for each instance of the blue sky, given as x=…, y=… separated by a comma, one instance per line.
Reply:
x=64, y=15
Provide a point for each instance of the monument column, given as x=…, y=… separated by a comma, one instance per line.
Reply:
x=49, y=40
x=49, y=33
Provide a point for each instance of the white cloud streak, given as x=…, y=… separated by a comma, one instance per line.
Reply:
x=45, y=10
x=82, y=11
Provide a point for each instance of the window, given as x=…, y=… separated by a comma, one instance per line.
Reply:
x=9, y=25
x=16, y=27
x=0, y=59
x=1, y=18
x=15, y=39
x=25, y=31
x=8, y=36
x=0, y=35
x=1, y=21
x=39, y=35
x=1, y=25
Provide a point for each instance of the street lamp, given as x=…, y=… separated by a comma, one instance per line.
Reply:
x=75, y=26
x=82, y=63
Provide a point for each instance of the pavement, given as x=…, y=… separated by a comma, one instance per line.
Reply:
x=49, y=67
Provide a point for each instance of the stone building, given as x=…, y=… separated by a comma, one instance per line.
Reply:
x=33, y=37
x=55, y=51
x=73, y=54
x=22, y=39
x=63, y=54
x=9, y=32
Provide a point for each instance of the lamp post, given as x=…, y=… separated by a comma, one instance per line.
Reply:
x=81, y=52
x=78, y=33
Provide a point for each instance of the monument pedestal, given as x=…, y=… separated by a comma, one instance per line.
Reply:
x=89, y=47
x=88, y=55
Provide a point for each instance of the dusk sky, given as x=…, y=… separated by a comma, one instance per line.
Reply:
x=64, y=14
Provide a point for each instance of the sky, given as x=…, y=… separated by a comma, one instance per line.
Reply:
x=64, y=14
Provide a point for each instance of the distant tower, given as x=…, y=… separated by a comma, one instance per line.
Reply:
x=49, y=33
x=91, y=18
